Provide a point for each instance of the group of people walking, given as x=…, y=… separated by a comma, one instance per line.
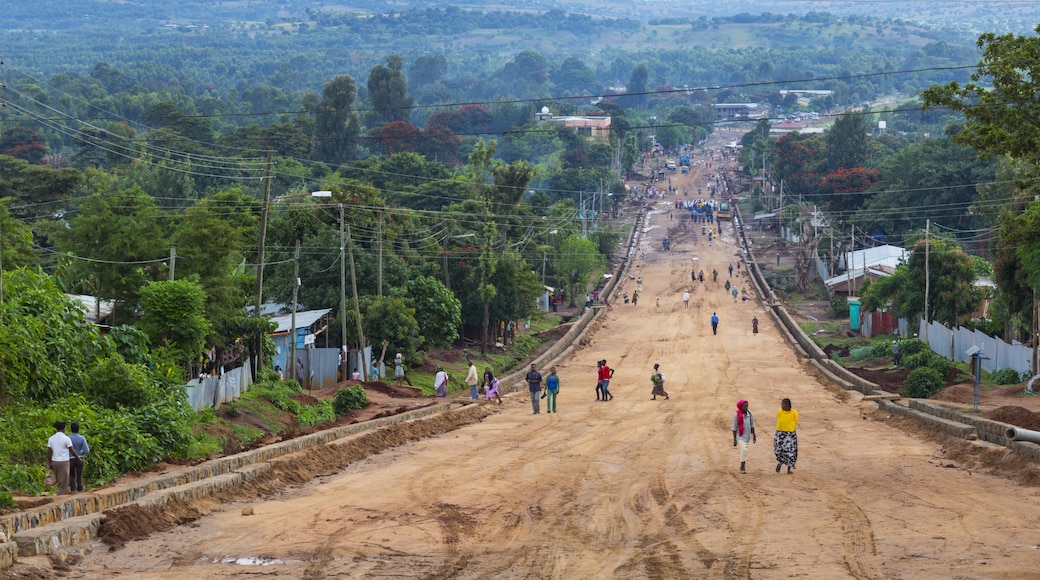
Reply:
x=785, y=439
x=66, y=455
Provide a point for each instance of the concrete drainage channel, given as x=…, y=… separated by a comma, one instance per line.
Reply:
x=54, y=528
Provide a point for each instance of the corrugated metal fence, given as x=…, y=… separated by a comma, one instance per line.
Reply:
x=212, y=391
x=996, y=354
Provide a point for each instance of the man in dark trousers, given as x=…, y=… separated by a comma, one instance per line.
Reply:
x=714, y=323
x=534, y=384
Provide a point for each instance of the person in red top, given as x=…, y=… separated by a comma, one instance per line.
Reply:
x=604, y=374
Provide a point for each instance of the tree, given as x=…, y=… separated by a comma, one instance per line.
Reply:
x=336, y=123
x=437, y=311
x=427, y=69
x=23, y=143
x=575, y=76
x=393, y=321
x=999, y=104
x=46, y=350
x=846, y=143
x=950, y=280
x=482, y=165
x=174, y=317
x=16, y=240
x=388, y=92
x=638, y=86
x=117, y=235
x=578, y=259
x=395, y=137
x=214, y=237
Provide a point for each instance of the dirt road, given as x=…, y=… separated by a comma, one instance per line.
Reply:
x=634, y=488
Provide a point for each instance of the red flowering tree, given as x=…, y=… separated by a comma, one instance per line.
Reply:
x=845, y=189
x=23, y=143
x=396, y=137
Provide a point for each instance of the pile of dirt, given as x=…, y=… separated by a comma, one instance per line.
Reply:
x=961, y=393
x=394, y=391
x=1017, y=416
x=133, y=522
x=891, y=380
x=830, y=349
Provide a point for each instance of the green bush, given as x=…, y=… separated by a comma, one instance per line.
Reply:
x=6, y=500
x=840, y=307
x=23, y=478
x=918, y=360
x=928, y=359
x=881, y=350
x=861, y=352
x=913, y=346
x=922, y=383
x=525, y=345
x=349, y=399
x=315, y=414
x=1007, y=377
x=280, y=394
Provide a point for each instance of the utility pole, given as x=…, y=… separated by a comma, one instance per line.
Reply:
x=173, y=261
x=357, y=308
x=853, y=256
x=927, y=277
x=344, y=364
x=260, y=259
x=543, y=267
x=1036, y=331
x=292, y=328
x=263, y=238
x=444, y=256
x=379, y=255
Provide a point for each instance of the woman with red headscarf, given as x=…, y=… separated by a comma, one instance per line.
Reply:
x=743, y=431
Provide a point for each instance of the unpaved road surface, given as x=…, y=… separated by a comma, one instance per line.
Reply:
x=635, y=488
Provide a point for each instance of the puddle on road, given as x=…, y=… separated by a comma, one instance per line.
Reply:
x=251, y=561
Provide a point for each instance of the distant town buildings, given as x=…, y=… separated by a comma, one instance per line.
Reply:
x=597, y=127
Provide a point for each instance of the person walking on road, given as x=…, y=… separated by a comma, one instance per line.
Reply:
x=59, y=452
x=605, y=373
x=491, y=385
x=754, y=325
x=734, y=293
x=471, y=380
x=79, y=444
x=440, y=382
x=534, y=385
x=658, y=380
x=731, y=270
x=686, y=299
x=714, y=323
x=552, y=388
x=743, y=432
x=785, y=442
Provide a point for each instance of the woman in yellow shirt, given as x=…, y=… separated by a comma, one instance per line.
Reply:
x=785, y=442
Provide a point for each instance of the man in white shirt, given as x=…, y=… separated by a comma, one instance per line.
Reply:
x=472, y=380
x=59, y=452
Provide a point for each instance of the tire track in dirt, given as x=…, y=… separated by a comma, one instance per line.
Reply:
x=859, y=552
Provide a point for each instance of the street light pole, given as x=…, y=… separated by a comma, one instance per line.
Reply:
x=357, y=307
